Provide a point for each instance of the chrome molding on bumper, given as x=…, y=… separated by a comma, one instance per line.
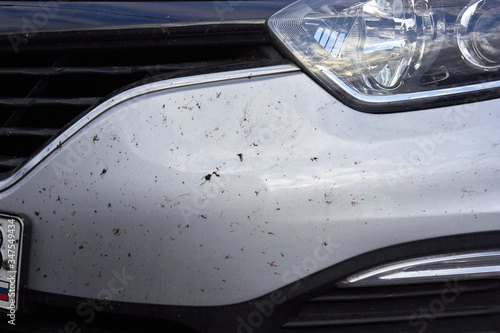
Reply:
x=463, y=266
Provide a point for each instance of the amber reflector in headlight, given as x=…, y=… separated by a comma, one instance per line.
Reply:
x=394, y=55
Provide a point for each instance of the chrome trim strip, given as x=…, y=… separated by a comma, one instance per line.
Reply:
x=464, y=266
x=418, y=96
x=135, y=92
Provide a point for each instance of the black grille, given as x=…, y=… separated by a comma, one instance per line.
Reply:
x=454, y=306
x=44, y=90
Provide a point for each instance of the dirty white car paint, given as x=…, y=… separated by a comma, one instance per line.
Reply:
x=220, y=192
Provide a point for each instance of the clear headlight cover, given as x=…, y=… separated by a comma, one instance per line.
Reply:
x=395, y=55
x=478, y=34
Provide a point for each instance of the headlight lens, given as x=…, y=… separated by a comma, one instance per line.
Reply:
x=478, y=34
x=393, y=55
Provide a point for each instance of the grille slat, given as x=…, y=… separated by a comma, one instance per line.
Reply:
x=42, y=132
x=28, y=102
x=381, y=318
x=10, y=162
x=111, y=70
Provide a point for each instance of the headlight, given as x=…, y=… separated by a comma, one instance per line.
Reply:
x=394, y=55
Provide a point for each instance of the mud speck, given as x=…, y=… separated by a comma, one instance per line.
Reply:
x=240, y=155
x=103, y=172
x=209, y=176
x=116, y=231
x=95, y=138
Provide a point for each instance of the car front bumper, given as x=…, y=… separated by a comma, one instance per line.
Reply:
x=218, y=189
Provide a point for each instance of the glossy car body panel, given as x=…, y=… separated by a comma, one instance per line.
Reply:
x=222, y=192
